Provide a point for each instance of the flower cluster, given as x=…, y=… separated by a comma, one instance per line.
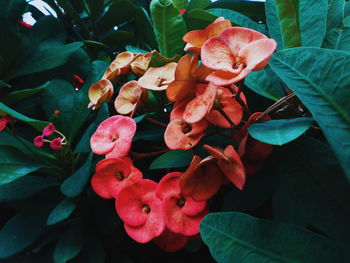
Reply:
x=56, y=143
x=201, y=87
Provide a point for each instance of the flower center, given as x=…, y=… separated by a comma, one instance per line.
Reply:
x=181, y=202
x=120, y=176
x=146, y=209
x=186, y=128
x=114, y=138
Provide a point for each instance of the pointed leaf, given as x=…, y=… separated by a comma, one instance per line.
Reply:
x=62, y=211
x=338, y=38
x=172, y=159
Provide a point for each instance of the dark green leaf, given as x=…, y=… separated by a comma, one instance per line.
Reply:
x=144, y=30
x=17, y=96
x=22, y=230
x=237, y=237
x=338, y=38
x=180, y=4
x=70, y=244
x=279, y=132
x=169, y=27
x=45, y=59
x=39, y=125
x=320, y=78
x=62, y=211
x=93, y=251
x=15, y=164
x=335, y=14
x=198, y=4
x=157, y=60
x=75, y=184
x=12, y=10
x=149, y=135
x=119, y=38
x=266, y=83
x=48, y=29
x=172, y=159
x=135, y=49
x=95, y=7
x=24, y=187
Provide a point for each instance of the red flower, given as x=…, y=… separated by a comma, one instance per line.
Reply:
x=141, y=210
x=77, y=82
x=182, y=11
x=171, y=242
x=112, y=175
x=24, y=24
x=39, y=141
x=56, y=144
x=113, y=137
x=5, y=120
x=49, y=130
x=181, y=214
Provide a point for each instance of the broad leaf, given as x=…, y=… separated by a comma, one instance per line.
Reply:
x=62, y=211
x=75, y=184
x=320, y=78
x=17, y=96
x=180, y=4
x=198, y=4
x=48, y=29
x=335, y=14
x=172, y=159
x=169, y=27
x=12, y=10
x=279, y=132
x=15, y=164
x=237, y=237
x=144, y=30
x=158, y=60
x=338, y=38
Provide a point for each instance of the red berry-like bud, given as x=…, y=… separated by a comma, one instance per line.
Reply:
x=56, y=144
x=39, y=141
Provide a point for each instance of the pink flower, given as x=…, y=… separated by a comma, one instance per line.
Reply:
x=39, y=141
x=77, y=82
x=5, y=120
x=24, y=24
x=56, y=144
x=182, y=11
x=234, y=53
x=112, y=175
x=141, y=210
x=49, y=130
x=113, y=137
x=181, y=214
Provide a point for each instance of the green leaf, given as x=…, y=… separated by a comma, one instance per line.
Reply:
x=237, y=237
x=282, y=22
x=45, y=59
x=320, y=78
x=135, y=49
x=39, y=125
x=149, y=135
x=48, y=29
x=237, y=19
x=12, y=10
x=17, y=96
x=266, y=83
x=158, y=60
x=22, y=230
x=315, y=186
x=172, y=159
x=169, y=27
x=144, y=30
x=119, y=38
x=338, y=38
x=92, y=252
x=198, y=4
x=335, y=15
x=24, y=187
x=75, y=184
x=180, y=4
x=347, y=21
x=279, y=132
x=70, y=244
x=95, y=7
x=311, y=13
x=15, y=164
x=62, y=211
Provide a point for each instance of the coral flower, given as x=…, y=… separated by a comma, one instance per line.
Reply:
x=196, y=38
x=229, y=163
x=119, y=66
x=100, y=92
x=182, y=135
x=234, y=53
x=158, y=78
x=113, y=136
x=140, y=64
x=129, y=97
x=225, y=102
x=181, y=214
x=202, y=179
x=141, y=210
x=112, y=175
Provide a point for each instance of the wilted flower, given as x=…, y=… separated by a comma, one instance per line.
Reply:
x=119, y=66
x=140, y=64
x=100, y=92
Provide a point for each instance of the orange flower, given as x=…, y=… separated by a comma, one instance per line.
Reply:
x=129, y=97
x=158, y=78
x=140, y=64
x=100, y=92
x=196, y=38
x=120, y=65
x=234, y=53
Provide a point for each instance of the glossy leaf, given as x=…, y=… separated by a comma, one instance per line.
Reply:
x=62, y=211
x=335, y=14
x=266, y=83
x=15, y=164
x=75, y=184
x=237, y=237
x=338, y=38
x=70, y=244
x=158, y=60
x=169, y=27
x=180, y=4
x=198, y=4
x=17, y=96
x=48, y=29
x=172, y=159
x=144, y=30
x=279, y=132
x=320, y=77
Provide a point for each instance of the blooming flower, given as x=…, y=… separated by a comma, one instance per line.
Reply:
x=234, y=53
x=112, y=175
x=113, y=136
x=141, y=210
x=56, y=144
x=39, y=141
x=49, y=130
x=181, y=214
x=100, y=92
